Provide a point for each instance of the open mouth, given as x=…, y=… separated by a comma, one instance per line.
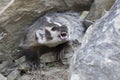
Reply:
x=63, y=35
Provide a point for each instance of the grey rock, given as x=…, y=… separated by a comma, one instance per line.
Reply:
x=1, y=57
x=20, y=60
x=97, y=9
x=79, y=5
x=13, y=75
x=65, y=55
x=2, y=34
x=21, y=64
x=1, y=53
x=87, y=23
x=25, y=77
x=48, y=57
x=3, y=65
x=99, y=55
x=2, y=77
x=53, y=73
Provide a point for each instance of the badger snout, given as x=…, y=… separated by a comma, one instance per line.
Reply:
x=63, y=35
x=63, y=32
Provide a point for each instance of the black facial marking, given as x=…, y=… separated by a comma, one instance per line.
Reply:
x=36, y=38
x=55, y=29
x=48, y=35
x=63, y=29
x=41, y=35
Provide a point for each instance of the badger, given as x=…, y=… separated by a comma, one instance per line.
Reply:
x=51, y=33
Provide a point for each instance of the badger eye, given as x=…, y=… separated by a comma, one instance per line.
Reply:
x=54, y=28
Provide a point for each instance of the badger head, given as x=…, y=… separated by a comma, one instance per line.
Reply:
x=52, y=34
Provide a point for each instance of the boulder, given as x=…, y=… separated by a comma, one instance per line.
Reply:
x=98, y=8
x=2, y=77
x=13, y=75
x=99, y=55
x=79, y=5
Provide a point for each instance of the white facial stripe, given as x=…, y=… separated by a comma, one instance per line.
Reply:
x=49, y=20
x=57, y=23
x=48, y=28
x=40, y=39
x=37, y=33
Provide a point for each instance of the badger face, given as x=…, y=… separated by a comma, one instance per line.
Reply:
x=52, y=35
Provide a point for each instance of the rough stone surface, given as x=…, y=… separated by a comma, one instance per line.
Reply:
x=52, y=73
x=99, y=55
x=3, y=65
x=2, y=77
x=98, y=8
x=13, y=75
x=97, y=11
x=79, y=5
x=48, y=57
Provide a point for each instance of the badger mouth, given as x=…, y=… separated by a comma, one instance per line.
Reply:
x=63, y=35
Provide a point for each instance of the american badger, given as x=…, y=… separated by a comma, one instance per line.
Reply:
x=51, y=32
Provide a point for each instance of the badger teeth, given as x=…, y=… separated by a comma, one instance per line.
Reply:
x=63, y=35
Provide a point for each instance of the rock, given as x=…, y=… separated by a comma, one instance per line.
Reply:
x=48, y=57
x=99, y=55
x=13, y=75
x=2, y=34
x=1, y=53
x=53, y=73
x=97, y=9
x=65, y=55
x=21, y=64
x=20, y=60
x=2, y=77
x=3, y=57
x=25, y=77
x=3, y=65
x=87, y=23
x=6, y=67
x=79, y=5
x=84, y=14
